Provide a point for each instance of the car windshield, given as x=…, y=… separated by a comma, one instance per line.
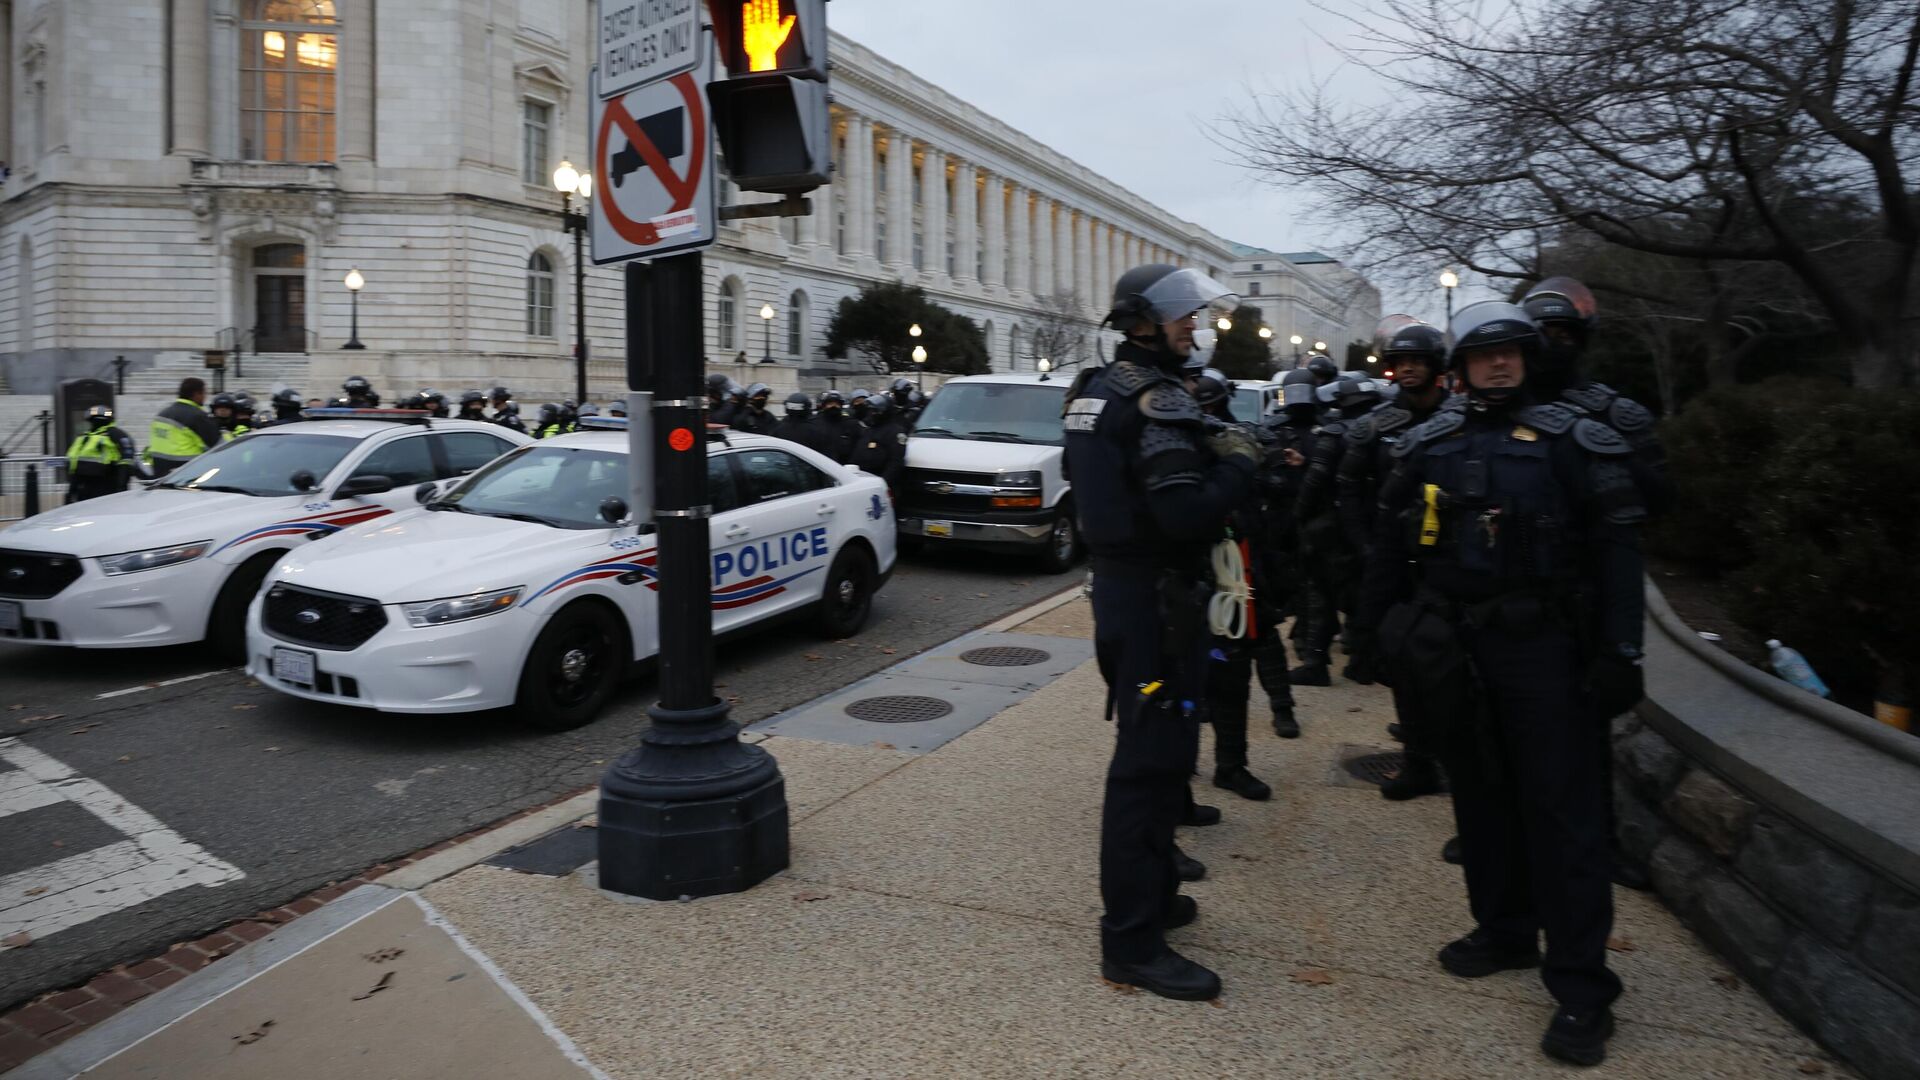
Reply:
x=561, y=486
x=989, y=412
x=1245, y=405
x=261, y=464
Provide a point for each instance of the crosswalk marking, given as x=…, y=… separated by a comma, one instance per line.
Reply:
x=151, y=861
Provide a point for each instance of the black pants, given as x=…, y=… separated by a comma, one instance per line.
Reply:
x=1153, y=754
x=1230, y=665
x=1534, y=825
x=1319, y=619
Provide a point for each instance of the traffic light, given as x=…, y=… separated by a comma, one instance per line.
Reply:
x=770, y=114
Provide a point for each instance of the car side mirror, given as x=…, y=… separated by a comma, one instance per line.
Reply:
x=613, y=509
x=426, y=493
x=304, y=481
x=364, y=485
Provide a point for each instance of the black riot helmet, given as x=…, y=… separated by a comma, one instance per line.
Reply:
x=1147, y=296
x=617, y=407
x=589, y=409
x=1322, y=368
x=717, y=385
x=288, y=403
x=549, y=414
x=1415, y=343
x=357, y=386
x=1211, y=389
x=1565, y=310
x=417, y=402
x=99, y=416
x=472, y=402
x=1296, y=393
x=1485, y=324
x=223, y=401
x=798, y=406
x=836, y=399
x=499, y=395
x=857, y=396
x=1355, y=395
x=436, y=402
x=879, y=407
x=758, y=393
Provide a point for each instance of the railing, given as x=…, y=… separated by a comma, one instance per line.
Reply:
x=234, y=341
x=265, y=174
x=31, y=484
x=17, y=441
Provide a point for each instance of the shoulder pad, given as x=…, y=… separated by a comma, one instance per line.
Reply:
x=1389, y=418
x=1629, y=416
x=1362, y=431
x=1554, y=419
x=1593, y=397
x=1333, y=428
x=1599, y=438
x=1128, y=379
x=1170, y=403
x=1438, y=426
x=1157, y=439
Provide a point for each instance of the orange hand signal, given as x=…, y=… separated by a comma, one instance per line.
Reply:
x=762, y=32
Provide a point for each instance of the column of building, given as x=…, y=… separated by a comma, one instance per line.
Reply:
x=1102, y=267
x=966, y=222
x=1020, y=262
x=994, y=242
x=1044, y=282
x=899, y=253
x=933, y=207
x=191, y=34
x=1083, y=259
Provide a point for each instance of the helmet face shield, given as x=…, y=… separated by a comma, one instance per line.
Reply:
x=1561, y=298
x=1183, y=293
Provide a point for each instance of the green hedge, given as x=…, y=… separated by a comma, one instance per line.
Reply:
x=1804, y=497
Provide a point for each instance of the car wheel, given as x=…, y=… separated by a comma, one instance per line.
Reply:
x=1062, y=549
x=227, y=625
x=572, y=668
x=848, y=597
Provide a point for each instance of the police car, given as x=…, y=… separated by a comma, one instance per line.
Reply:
x=530, y=585
x=178, y=560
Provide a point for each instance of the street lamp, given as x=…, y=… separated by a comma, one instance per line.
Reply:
x=1372, y=359
x=1319, y=346
x=920, y=357
x=1044, y=365
x=1449, y=281
x=1296, y=340
x=1266, y=333
x=354, y=283
x=569, y=181
x=1224, y=324
x=766, y=334
x=914, y=330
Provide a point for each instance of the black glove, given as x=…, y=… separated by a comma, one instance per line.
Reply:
x=1616, y=682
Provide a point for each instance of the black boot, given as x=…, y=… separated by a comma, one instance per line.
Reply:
x=1360, y=669
x=1188, y=867
x=1397, y=732
x=1578, y=1036
x=1450, y=852
x=1183, y=911
x=1310, y=675
x=1200, y=816
x=1284, y=725
x=1242, y=783
x=1169, y=974
x=1418, y=776
x=1480, y=953
x=1628, y=876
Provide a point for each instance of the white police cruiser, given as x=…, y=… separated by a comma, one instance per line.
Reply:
x=530, y=585
x=178, y=560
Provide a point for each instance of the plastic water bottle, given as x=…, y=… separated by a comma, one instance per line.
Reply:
x=1791, y=666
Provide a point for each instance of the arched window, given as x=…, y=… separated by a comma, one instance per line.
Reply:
x=727, y=317
x=288, y=58
x=1013, y=350
x=986, y=333
x=797, y=325
x=539, y=295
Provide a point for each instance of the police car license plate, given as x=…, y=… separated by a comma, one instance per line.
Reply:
x=10, y=617
x=293, y=666
x=938, y=528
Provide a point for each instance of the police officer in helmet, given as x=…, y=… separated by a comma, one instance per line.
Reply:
x=359, y=393
x=507, y=415
x=836, y=433
x=754, y=418
x=1153, y=484
x=287, y=406
x=100, y=459
x=1508, y=532
x=473, y=405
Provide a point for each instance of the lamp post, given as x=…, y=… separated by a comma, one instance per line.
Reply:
x=766, y=333
x=354, y=283
x=1449, y=281
x=1296, y=340
x=920, y=358
x=1045, y=366
x=569, y=181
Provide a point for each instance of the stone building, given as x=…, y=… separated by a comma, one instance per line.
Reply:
x=194, y=175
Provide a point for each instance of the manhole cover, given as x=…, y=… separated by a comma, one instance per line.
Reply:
x=1376, y=768
x=899, y=709
x=1006, y=656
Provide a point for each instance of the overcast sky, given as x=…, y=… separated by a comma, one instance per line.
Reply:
x=1130, y=88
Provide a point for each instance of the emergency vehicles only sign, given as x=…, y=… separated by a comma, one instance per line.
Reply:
x=645, y=40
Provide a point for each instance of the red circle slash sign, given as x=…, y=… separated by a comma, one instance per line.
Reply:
x=681, y=439
x=681, y=188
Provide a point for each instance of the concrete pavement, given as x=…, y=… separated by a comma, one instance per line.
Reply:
x=939, y=920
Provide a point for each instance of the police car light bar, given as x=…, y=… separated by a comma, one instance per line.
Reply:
x=342, y=412
x=603, y=423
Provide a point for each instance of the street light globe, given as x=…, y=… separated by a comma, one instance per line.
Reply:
x=1449, y=279
x=1043, y=364
x=1296, y=339
x=586, y=185
x=914, y=330
x=1224, y=324
x=1372, y=359
x=354, y=281
x=1319, y=346
x=1266, y=332
x=766, y=311
x=566, y=178
x=919, y=354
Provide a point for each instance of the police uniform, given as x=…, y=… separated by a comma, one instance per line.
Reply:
x=882, y=448
x=181, y=432
x=1517, y=526
x=99, y=462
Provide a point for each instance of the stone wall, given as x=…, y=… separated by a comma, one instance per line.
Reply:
x=1832, y=941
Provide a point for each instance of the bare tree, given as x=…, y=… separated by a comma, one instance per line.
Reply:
x=1727, y=135
x=1061, y=330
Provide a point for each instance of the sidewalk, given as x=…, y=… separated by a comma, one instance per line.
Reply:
x=939, y=920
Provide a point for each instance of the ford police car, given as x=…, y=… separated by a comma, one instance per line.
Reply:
x=178, y=560
x=530, y=585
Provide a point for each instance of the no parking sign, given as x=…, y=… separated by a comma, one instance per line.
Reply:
x=655, y=190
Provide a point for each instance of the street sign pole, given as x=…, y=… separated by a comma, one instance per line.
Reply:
x=692, y=811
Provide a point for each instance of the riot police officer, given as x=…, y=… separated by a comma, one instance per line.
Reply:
x=733, y=403
x=1330, y=566
x=435, y=402
x=551, y=422
x=498, y=398
x=100, y=459
x=287, y=407
x=1415, y=355
x=797, y=425
x=507, y=415
x=473, y=406
x=1153, y=487
x=1565, y=311
x=882, y=449
x=1510, y=529
x=836, y=433
x=860, y=405
x=717, y=385
x=359, y=393
x=226, y=415
x=754, y=418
